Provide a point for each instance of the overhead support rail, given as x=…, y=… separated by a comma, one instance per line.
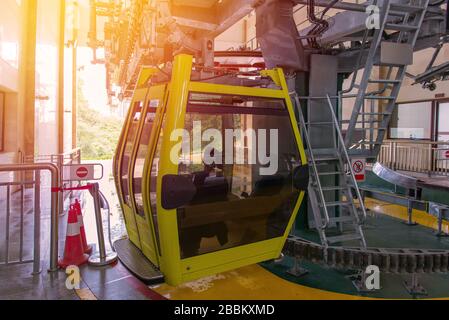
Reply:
x=350, y=6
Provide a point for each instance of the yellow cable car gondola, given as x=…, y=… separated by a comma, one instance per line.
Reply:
x=210, y=176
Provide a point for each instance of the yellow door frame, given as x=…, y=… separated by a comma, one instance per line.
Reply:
x=144, y=224
x=139, y=95
x=116, y=163
x=149, y=161
x=175, y=116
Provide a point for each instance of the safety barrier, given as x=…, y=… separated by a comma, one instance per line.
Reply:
x=441, y=161
x=16, y=191
x=60, y=160
x=431, y=158
x=103, y=257
x=253, y=44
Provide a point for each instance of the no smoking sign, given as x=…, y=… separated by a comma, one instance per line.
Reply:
x=359, y=169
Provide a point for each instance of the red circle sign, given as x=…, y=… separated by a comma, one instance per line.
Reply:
x=82, y=172
x=447, y=154
x=358, y=166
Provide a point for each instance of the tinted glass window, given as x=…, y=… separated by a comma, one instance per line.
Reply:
x=142, y=154
x=219, y=101
x=153, y=183
x=127, y=152
x=242, y=170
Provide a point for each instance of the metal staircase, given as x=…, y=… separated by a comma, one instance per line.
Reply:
x=337, y=216
x=400, y=24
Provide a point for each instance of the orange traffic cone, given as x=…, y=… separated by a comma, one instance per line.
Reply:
x=73, y=252
x=86, y=247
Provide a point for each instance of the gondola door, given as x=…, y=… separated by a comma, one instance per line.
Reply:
x=143, y=162
x=123, y=160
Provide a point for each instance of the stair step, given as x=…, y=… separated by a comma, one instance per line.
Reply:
x=320, y=123
x=367, y=143
x=374, y=114
x=137, y=263
x=344, y=237
x=364, y=129
x=368, y=154
x=400, y=27
x=338, y=188
x=336, y=204
x=325, y=158
x=384, y=81
x=385, y=64
x=342, y=219
x=322, y=163
x=331, y=173
x=365, y=121
x=380, y=97
x=403, y=8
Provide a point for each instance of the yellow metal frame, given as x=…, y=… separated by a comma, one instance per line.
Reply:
x=175, y=269
x=140, y=94
x=144, y=224
x=130, y=221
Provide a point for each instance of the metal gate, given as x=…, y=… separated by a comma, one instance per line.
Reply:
x=21, y=196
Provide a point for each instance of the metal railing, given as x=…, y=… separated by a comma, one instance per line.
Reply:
x=440, y=161
x=303, y=126
x=341, y=145
x=431, y=158
x=60, y=160
x=71, y=157
x=15, y=197
x=253, y=44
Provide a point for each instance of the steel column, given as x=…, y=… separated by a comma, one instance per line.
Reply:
x=61, y=48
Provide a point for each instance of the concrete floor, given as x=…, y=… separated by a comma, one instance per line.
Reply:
x=116, y=283
x=107, y=283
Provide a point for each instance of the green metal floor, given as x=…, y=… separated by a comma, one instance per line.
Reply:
x=383, y=232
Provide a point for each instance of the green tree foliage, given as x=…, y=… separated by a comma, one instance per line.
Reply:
x=97, y=134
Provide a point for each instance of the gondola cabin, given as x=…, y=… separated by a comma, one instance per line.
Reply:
x=210, y=176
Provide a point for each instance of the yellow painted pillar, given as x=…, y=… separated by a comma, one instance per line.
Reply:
x=72, y=26
x=61, y=47
x=27, y=75
x=175, y=115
